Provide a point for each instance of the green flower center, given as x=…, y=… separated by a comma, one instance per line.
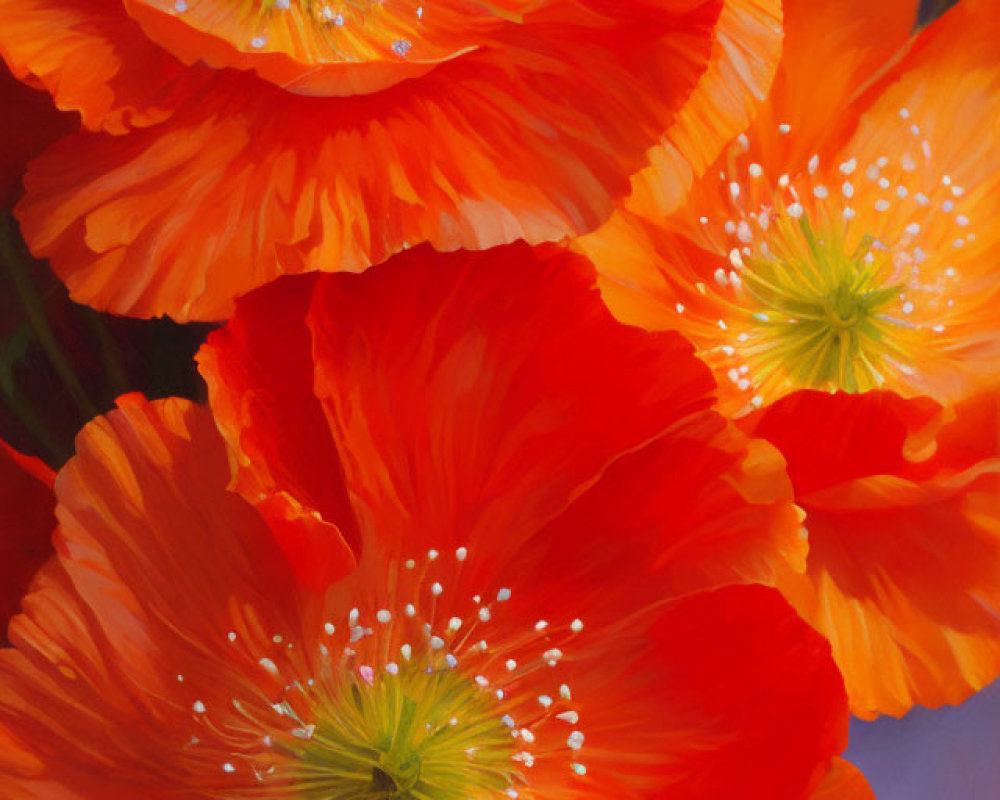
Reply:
x=424, y=734
x=820, y=313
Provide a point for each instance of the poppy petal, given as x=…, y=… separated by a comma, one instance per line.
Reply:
x=725, y=688
x=163, y=584
x=744, y=58
x=93, y=59
x=445, y=438
x=903, y=561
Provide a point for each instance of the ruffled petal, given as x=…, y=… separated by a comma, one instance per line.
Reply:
x=744, y=59
x=94, y=59
x=487, y=423
x=27, y=519
x=534, y=140
x=904, y=554
x=259, y=370
x=138, y=636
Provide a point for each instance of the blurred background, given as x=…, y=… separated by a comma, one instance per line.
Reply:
x=61, y=364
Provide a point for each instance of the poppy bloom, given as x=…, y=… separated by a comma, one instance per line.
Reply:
x=835, y=246
x=547, y=526
x=844, y=241
x=902, y=502
x=235, y=143
x=26, y=522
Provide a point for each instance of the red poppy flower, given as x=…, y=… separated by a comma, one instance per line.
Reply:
x=546, y=516
x=902, y=502
x=333, y=134
x=26, y=522
x=844, y=240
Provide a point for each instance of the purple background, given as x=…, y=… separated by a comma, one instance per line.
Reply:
x=951, y=753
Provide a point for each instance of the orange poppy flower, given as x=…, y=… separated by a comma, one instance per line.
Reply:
x=844, y=241
x=333, y=134
x=902, y=502
x=834, y=246
x=549, y=522
x=26, y=522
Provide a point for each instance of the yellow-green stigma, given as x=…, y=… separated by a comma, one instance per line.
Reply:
x=421, y=733
x=819, y=313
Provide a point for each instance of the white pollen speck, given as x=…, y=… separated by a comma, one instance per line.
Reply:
x=735, y=259
x=913, y=229
x=947, y=206
x=575, y=740
x=401, y=47
x=904, y=113
x=783, y=181
x=908, y=307
x=503, y=595
x=881, y=205
x=410, y=563
x=180, y=6
x=541, y=625
x=784, y=128
x=284, y=5
x=269, y=666
x=755, y=170
x=795, y=210
x=703, y=220
x=938, y=328
x=720, y=274
x=883, y=183
x=432, y=555
x=813, y=164
x=576, y=625
x=572, y=717
x=383, y=615
x=411, y=610
x=436, y=589
x=544, y=700
x=680, y=308
x=734, y=189
x=353, y=616
x=461, y=554
x=329, y=628
x=406, y=651
x=578, y=769
x=484, y=614
x=392, y=668
x=451, y=661
x=962, y=220
x=198, y=707
x=454, y=624
x=227, y=767
x=908, y=163
x=436, y=643
x=848, y=166
x=821, y=192
x=848, y=189
x=258, y=42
